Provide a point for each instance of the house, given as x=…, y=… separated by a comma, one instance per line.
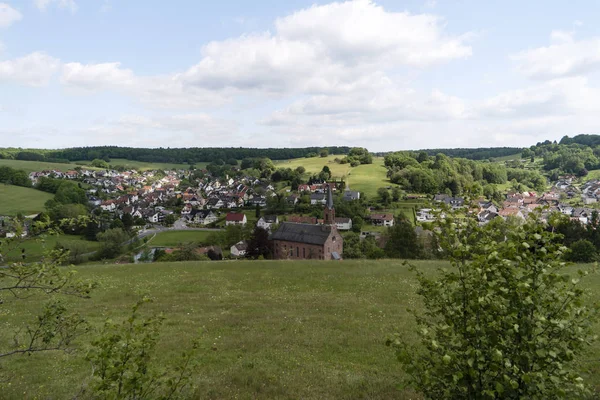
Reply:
x=307, y=241
x=343, y=224
x=215, y=203
x=511, y=212
x=266, y=221
x=235, y=219
x=382, y=219
x=350, y=195
x=589, y=199
x=187, y=209
x=260, y=201
x=425, y=215
x=454, y=202
x=318, y=198
x=202, y=217
x=239, y=249
x=292, y=199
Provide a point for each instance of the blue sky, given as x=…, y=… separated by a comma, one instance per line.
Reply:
x=386, y=75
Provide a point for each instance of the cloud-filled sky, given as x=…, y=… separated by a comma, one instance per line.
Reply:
x=381, y=74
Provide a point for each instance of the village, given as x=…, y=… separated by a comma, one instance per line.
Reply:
x=156, y=200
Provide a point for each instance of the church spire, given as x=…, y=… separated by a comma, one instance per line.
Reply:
x=329, y=197
x=329, y=212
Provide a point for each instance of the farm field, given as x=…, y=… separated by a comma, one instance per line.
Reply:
x=285, y=330
x=34, y=166
x=17, y=199
x=175, y=238
x=36, y=247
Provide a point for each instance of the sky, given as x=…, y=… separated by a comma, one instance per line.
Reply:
x=385, y=75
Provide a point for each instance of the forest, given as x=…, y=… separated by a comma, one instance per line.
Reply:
x=166, y=155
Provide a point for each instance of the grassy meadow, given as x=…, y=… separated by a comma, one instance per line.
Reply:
x=17, y=199
x=270, y=329
x=35, y=248
x=35, y=166
x=365, y=178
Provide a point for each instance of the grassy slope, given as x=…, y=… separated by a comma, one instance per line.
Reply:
x=286, y=330
x=175, y=238
x=17, y=199
x=34, y=166
x=35, y=248
x=365, y=178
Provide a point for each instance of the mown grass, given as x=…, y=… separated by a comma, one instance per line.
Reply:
x=285, y=330
x=17, y=199
x=36, y=166
x=175, y=238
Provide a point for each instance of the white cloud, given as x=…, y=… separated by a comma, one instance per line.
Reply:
x=335, y=43
x=565, y=57
x=94, y=76
x=43, y=5
x=8, y=15
x=35, y=69
x=167, y=91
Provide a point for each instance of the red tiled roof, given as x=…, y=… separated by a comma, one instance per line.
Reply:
x=237, y=217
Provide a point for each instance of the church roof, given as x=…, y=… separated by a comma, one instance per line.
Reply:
x=302, y=233
x=329, y=198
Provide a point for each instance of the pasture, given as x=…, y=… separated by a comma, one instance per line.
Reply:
x=35, y=248
x=365, y=178
x=269, y=329
x=17, y=199
x=35, y=166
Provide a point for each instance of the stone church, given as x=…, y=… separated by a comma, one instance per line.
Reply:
x=295, y=241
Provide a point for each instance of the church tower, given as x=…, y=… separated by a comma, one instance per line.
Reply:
x=329, y=212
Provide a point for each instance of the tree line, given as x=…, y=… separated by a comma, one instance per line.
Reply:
x=167, y=155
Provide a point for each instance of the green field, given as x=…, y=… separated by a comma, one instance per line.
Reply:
x=365, y=178
x=17, y=199
x=36, y=247
x=175, y=238
x=369, y=177
x=35, y=166
x=314, y=165
x=284, y=330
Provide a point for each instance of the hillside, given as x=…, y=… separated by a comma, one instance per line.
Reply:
x=34, y=166
x=286, y=330
x=366, y=178
x=17, y=199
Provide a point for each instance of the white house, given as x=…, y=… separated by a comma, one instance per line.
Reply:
x=266, y=221
x=343, y=224
x=202, y=217
x=236, y=219
x=239, y=249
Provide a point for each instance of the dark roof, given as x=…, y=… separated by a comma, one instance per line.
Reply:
x=270, y=219
x=329, y=198
x=302, y=233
